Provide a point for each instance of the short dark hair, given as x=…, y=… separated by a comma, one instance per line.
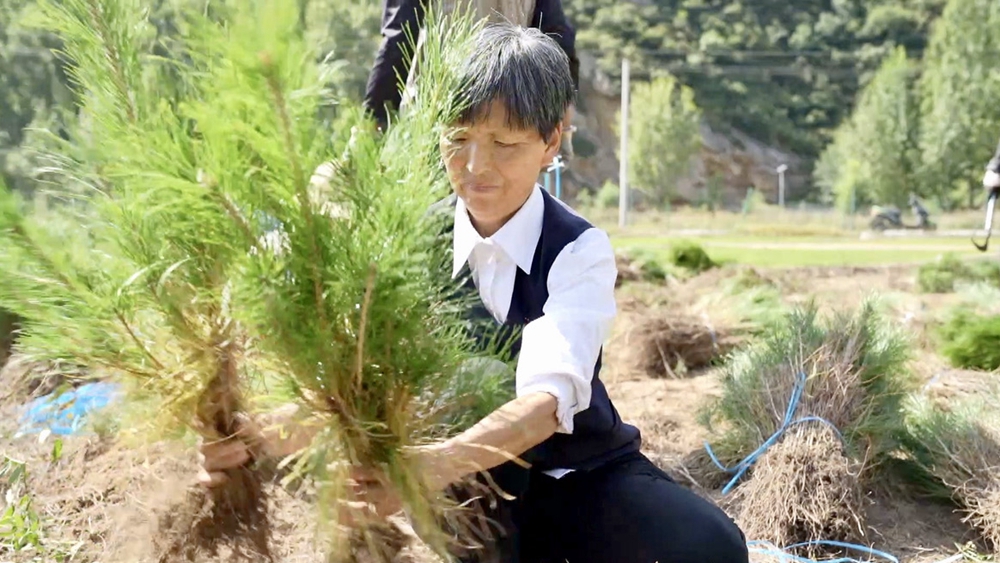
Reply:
x=523, y=69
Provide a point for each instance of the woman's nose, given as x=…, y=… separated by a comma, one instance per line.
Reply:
x=480, y=158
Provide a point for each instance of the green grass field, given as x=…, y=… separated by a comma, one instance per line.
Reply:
x=803, y=252
x=779, y=239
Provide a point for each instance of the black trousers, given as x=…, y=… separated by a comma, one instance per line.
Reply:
x=628, y=511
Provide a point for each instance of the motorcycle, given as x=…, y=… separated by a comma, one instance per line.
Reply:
x=890, y=217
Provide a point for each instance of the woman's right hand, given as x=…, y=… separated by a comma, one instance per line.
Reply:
x=277, y=434
x=214, y=458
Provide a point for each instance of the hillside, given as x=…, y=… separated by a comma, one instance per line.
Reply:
x=782, y=73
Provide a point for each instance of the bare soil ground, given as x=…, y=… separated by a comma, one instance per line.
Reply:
x=99, y=501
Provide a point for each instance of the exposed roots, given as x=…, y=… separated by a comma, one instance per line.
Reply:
x=983, y=507
x=803, y=489
x=670, y=344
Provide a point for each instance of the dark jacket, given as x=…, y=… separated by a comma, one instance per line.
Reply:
x=391, y=65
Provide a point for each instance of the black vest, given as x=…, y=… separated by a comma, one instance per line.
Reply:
x=599, y=435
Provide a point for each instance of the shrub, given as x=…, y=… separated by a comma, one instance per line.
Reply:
x=942, y=275
x=690, y=256
x=971, y=340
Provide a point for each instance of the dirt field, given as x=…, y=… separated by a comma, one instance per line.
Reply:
x=100, y=501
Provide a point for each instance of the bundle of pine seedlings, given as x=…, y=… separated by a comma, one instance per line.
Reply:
x=213, y=268
x=807, y=414
x=954, y=448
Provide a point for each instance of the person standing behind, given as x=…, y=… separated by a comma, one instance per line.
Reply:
x=403, y=19
x=991, y=180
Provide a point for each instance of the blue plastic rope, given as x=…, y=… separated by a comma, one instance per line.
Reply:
x=793, y=404
x=766, y=548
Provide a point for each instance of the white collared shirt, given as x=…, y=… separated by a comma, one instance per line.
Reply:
x=559, y=350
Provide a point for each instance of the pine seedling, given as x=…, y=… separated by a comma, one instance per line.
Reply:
x=227, y=262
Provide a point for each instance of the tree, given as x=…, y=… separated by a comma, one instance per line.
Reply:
x=874, y=156
x=960, y=88
x=664, y=135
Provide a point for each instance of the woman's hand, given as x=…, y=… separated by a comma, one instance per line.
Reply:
x=277, y=434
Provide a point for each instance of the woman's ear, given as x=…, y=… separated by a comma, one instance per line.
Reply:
x=553, y=145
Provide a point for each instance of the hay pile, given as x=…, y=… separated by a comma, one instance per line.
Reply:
x=671, y=343
x=849, y=378
x=959, y=449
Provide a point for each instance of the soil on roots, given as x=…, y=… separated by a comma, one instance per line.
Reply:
x=229, y=521
x=803, y=489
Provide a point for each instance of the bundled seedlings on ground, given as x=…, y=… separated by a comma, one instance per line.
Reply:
x=210, y=263
x=637, y=265
x=671, y=343
x=956, y=450
x=970, y=339
x=942, y=275
x=690, y=256
x=745, y=309
x=808, y=484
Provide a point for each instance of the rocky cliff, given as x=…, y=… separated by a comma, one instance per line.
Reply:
x=735, y=157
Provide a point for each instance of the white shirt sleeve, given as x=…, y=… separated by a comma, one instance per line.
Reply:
x=559, y=350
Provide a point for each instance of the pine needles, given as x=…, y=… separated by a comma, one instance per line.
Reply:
x=210, y=262
x=959, y=447
x=845, y=380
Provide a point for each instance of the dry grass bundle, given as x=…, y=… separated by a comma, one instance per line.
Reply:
x=669, y=344
x=845, y=374
x=783, y=502
x=23, y=379
x=959, y=447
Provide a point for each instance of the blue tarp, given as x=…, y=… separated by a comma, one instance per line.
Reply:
x=65, y=413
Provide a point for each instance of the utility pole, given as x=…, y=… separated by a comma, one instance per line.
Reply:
x=781, y=185
x=623, y=151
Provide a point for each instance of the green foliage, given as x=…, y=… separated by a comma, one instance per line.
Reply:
x=952, y=450
x=873, y=157
x=788, y=72
x=648, y=266
x=349, y=33
x=961, y=96
x=854, y=364
x=971, y=340
x=754, y=200
x=38, y=109
x=215, y=258
x=748, y=304
x=608, y=196
x=20, y=525
x=943, y=274
x=664, y=135
x=690, y=256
